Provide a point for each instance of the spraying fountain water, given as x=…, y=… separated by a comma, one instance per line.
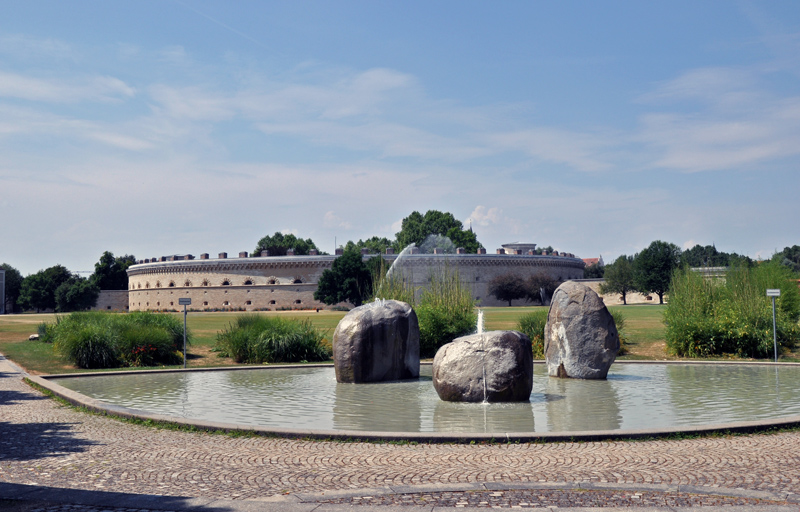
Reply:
x=397, y=261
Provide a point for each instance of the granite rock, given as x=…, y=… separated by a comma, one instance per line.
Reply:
x=377, y=342
x=580, y=338
x=496, y=366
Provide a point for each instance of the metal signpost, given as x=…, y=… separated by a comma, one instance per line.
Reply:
x=774, y=292
x=2, y=292
x=186, y=301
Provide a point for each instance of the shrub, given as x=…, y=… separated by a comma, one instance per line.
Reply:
x=87, y=345
x=445, y=309
x=106, y=340
x=271, y=339
x=734, y=316
x=532, y=325
x=619, y=323
x=45, y=331
x=148, y=345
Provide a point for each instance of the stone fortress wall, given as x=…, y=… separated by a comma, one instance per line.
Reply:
x=288, y=282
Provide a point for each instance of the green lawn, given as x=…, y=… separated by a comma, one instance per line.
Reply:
x=644, y=328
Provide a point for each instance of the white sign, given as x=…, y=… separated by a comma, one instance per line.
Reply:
x=773, y=292
x=186, y=301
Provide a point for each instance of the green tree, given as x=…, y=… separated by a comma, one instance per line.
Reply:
x=789, y=257
x=278, y=244
x=596, y=271
x=417, y=227
x=76, y=294
x=464, y=238
x=110, y=273
x=507, y=287
x=374, y=245
x=619, y=278
x=13, y=285
x=540, y=287
x=653, y=268
x=348, y=280
x=38, y=291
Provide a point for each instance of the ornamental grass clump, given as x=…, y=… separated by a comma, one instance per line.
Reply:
x=271, y=339
x=107, y=340
x=445, y=311
x=732, y=316
x=445, y=308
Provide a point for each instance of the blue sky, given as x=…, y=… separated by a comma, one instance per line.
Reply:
x=170, y=127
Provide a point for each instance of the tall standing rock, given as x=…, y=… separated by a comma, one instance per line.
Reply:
x=495, y=366
x=580, y=338
x=377, y=342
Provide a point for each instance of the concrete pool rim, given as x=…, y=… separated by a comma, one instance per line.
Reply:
x=98, y=406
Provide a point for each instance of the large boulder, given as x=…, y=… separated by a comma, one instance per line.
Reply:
x=580, y=338
x=496, y=366
x=377, y=342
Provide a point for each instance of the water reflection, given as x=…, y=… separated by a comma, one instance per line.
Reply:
x=700, y=391
x=581, y=405
x=635, y=396
x=397, y=404
x=478, y=417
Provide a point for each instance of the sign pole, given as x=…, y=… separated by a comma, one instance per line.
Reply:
x=185, y=301
x=184, y=331
x=774, y=292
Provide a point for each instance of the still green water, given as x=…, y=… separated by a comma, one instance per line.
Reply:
x=635, y=396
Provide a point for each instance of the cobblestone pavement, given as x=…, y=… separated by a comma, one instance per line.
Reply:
x=46, y=444
x=537, y=498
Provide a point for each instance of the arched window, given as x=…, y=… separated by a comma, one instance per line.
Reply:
x=272, y=280
x=187, y=283
x=248, y=282
x=147, y=284
x=172, y=284
x=226, y=283
x=297, y=280
x=158, y=284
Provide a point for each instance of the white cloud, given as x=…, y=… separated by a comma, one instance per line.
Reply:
x=331, y=220
x=732, y=122
x=90, y=88
x=582, y=151
x=483, y=216
x=25, y=48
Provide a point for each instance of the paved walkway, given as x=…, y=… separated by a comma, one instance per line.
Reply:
x=53, y=448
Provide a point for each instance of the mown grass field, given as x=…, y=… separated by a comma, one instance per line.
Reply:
x=644, y=330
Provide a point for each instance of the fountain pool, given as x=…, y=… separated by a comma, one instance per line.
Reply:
x=635, y=397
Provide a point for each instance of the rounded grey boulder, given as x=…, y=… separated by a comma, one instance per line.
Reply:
x=377, y=342
x=496, y=366
x=580, y=338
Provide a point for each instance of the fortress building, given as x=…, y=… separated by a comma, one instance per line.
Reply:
x=288, y=282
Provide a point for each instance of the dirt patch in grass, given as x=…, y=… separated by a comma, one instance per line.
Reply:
x=204, y=356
